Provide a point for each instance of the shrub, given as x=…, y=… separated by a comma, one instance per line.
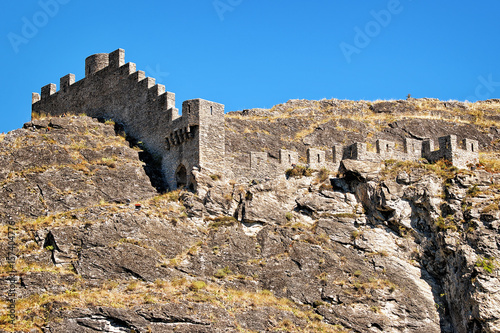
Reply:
x=299, y=171
x=222, y=221
x=488, y=264
x=109, y=162
x=473, y=191
x=444, y=224
x=323, y=175
x=215, y=177
x=222, y=272
x=289, y=216
x=197, y=285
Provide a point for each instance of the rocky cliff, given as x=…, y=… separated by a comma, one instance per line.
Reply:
x=371, y=247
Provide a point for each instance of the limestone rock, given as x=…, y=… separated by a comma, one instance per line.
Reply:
x=360, y=170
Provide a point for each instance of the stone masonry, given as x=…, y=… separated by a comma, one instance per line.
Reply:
x=462, y=156
x=113, y=89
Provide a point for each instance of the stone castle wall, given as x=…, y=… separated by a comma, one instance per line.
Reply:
x=113, y=89
x=413, y=150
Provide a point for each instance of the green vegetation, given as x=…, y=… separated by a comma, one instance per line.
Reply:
x=473, y=191
x=197, y=285
x=442, y=168
x=215, y=177
x=447, y=223
x=222, y=272
x=486, y=263
x=221, y=221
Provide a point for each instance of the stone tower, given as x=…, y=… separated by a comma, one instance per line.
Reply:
x=113, y=89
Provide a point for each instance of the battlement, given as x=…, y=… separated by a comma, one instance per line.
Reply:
x=459, y=155
x=97, y=67
x=413, y=150
x=113, y=89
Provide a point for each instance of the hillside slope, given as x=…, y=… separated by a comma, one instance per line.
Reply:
x=300, y=124
x=387, y=247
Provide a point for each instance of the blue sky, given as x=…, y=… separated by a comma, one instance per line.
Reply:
x=258, y=53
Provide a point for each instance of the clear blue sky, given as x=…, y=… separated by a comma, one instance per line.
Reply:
x=258, y=53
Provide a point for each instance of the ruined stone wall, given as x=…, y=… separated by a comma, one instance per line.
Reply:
x=195, y=140
x=460, y=156
x=113, y=89
x=412, y=150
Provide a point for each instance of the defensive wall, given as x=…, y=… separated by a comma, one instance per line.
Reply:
x=113, y=89
x=462, y=156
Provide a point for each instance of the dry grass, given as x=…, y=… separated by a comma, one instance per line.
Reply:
x=471, y=113
x=441, y=168
x=38, y=116
x=33, y=311
x=489, y=162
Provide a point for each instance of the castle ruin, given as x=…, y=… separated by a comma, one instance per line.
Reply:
x=113, y=89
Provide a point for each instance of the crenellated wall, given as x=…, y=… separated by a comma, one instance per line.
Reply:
x=413, y=150
x=459, y=156
x=113, y=89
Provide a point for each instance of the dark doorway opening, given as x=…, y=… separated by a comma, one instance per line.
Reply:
x=181, y=176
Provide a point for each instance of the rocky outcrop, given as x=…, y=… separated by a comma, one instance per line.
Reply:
x=399, y=247
x=63, y=164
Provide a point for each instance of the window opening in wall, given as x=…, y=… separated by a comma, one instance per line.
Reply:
x=387, y=147
x=211, y=110
x=472, y=147
x=319, y=159
x=189, y=108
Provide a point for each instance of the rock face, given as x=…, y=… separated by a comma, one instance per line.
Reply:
x=63, y=164
x=394, y=247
